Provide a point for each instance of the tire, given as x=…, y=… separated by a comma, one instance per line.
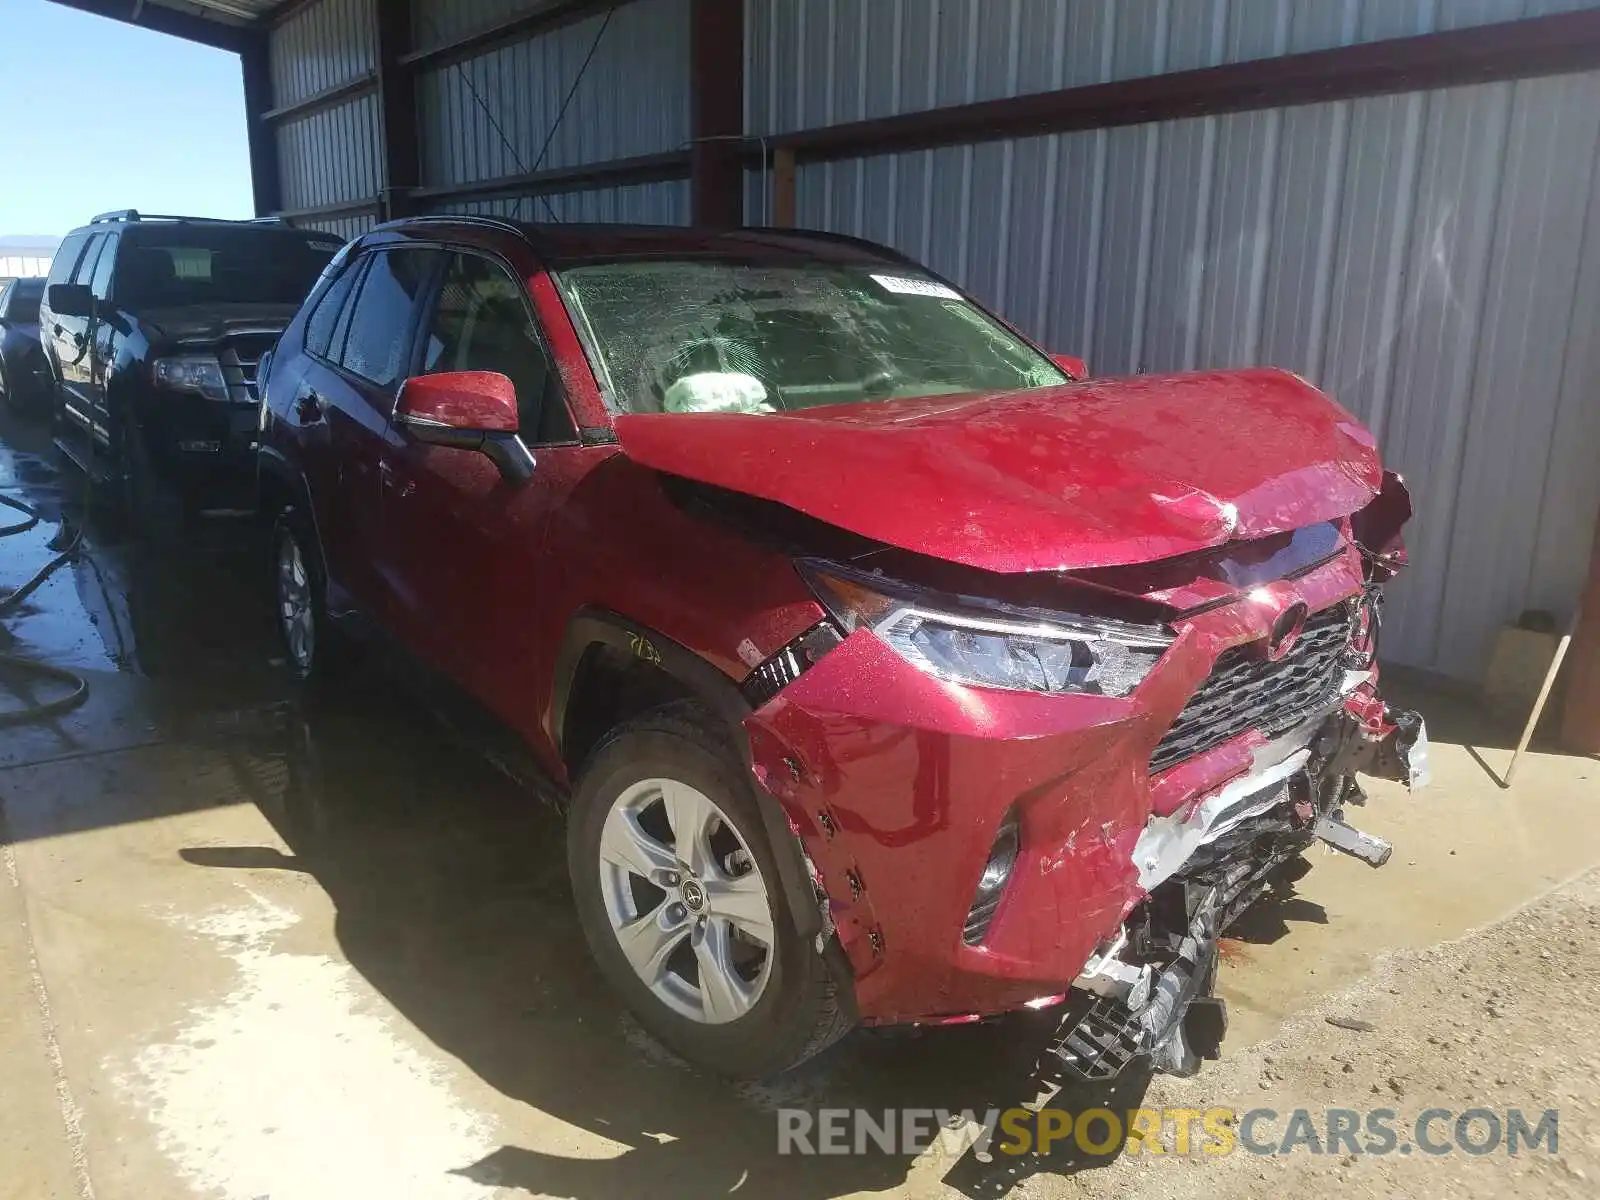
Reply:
x=780, y=1004
x=300, y=611
x=6, y=399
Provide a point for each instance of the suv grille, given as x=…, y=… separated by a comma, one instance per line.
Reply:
x=1245, y=692
x=239, y=356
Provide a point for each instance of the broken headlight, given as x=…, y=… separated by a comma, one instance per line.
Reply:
x=989, y=644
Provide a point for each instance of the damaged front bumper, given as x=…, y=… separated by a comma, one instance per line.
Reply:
x=901, y=787
x=1147, y=992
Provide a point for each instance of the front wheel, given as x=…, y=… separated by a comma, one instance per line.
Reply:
x=680, y=899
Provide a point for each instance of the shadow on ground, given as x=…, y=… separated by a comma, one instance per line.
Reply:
x=452, y=900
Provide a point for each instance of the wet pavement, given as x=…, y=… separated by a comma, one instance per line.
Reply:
x=253, y=944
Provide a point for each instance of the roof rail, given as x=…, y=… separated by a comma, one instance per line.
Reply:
x=132, y=214
x=501, y=223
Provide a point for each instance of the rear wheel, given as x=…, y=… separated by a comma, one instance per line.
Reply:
x=679, y=896
x=298, y=599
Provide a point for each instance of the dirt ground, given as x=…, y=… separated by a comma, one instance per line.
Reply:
x=1503, y=1018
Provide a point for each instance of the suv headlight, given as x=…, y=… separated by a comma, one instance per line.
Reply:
x=191, y=373
x=990, y=644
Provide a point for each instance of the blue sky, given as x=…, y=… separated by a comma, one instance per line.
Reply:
x=95, y=114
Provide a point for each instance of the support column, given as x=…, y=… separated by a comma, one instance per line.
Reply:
x=256, y=65
x=716, y=112
x=397, y=109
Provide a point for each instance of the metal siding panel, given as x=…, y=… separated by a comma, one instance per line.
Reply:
x=1458, y=196
x=1184, y=196
x=330, y=156
x=664, y=203
x=1323, y=24
x=321, y=46
x=1395, y=18
x=1128, y=183
x=925, y=52
x=1379, y=181
x=435, y=21
x=1239, y=239
x=1522, y=349
x=491, y=115
x=1308, y=203
x=1068, y=298
x=1572, y=484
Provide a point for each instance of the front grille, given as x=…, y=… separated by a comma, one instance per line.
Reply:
x=240, y=357
x=1246, y=691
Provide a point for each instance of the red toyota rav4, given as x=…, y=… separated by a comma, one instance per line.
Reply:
x=891, y=671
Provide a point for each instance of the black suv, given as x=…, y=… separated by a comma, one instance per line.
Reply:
x=153, y=328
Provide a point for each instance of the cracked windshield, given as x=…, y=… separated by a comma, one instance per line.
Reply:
x=726, y=337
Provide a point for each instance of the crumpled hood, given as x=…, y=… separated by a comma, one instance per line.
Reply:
x=213, y=322
x=1106, y=473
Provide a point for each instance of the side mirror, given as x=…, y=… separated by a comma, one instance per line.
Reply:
x=71, y=300
x=467, y=410
x=1075, y=367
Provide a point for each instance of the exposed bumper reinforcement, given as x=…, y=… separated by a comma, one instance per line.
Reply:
x=1170, y=1018
x=1373, y=851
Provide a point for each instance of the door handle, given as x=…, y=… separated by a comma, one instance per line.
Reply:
x=309, y=407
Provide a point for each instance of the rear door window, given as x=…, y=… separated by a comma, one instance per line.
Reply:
x=384, y=314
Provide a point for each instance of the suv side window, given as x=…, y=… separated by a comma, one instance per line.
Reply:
x=482, y=322
x=66, y=259
x=86, y=264
x=100, y=283
x=382, y=315
x=319, y=325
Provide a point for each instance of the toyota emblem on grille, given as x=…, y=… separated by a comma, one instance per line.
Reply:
x=1286, y=631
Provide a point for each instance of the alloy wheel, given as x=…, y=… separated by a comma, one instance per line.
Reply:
x=686, y=901
x=296, y=615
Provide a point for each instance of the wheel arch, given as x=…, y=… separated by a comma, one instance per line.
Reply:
x=611, y=632
x=281, y=485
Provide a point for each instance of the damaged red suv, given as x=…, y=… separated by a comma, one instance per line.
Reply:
x=890, y=671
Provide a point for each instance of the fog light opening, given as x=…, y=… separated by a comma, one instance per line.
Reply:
x=992, y=883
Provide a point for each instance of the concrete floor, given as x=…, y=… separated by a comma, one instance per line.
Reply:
x=251, y=948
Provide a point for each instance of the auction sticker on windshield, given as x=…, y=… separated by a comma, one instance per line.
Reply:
x=903, y=286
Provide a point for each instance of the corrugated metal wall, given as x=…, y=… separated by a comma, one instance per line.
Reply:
x=490, y=116
x=330, y=155
x=646, y=203
x=1433, y=260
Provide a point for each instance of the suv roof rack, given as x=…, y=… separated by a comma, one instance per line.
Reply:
x=120, y=215
x=504, y=224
